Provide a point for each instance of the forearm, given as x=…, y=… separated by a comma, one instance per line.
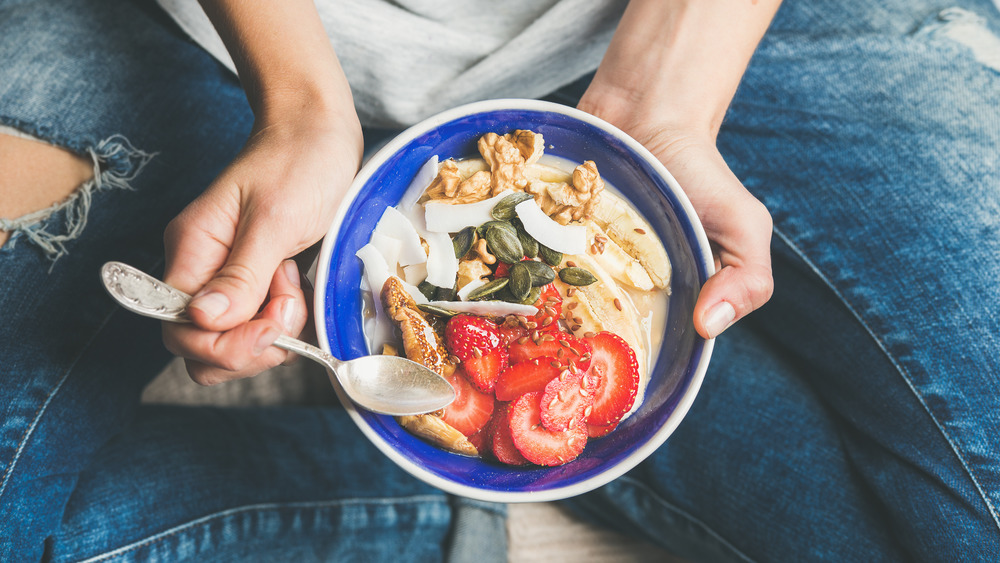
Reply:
x=676, y=64
x=284, y=59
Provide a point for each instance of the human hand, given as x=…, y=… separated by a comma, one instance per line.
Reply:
x=737, y=224
x=230, y=246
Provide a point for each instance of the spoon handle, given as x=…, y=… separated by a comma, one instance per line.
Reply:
x=141, y=293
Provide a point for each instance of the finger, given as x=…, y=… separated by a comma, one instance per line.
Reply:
x=235, y=292
x=237, y=353
x=744, y=282
x=223, y=356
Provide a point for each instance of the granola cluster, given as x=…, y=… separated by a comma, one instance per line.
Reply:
x=507, y=158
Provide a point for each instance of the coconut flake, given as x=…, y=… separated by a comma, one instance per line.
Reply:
x=394, y=224
x=388, y=247
x=568, y=239
x=442, y=266
x=415, y=273
x=447, y=218
x=376, y=272
x=465, y=290
x=497, y=308
x=421, y=181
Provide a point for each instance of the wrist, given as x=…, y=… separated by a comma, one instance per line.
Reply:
x=676, y=65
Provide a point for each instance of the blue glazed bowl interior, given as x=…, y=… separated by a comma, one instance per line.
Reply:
x=680, y=354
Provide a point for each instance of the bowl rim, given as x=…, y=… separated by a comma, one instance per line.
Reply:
x=323, y=267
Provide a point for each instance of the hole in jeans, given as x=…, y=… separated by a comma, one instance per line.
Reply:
x=46, y=182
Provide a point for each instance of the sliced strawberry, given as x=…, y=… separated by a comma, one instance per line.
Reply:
x=549, y=305
x=568, y=399
x=613, y=362
x=481, y=439
x=470, y=410
x=483, y=370
x=501, y=271
x=469, y=336
x=501, y=442
x=511, y=333
x=600, y=431
x=537, y=444
x=562, y=346
x=526, y=377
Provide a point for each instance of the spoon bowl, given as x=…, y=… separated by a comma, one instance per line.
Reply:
x=383, y=384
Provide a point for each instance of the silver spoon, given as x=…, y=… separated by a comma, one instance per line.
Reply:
x=382, y=384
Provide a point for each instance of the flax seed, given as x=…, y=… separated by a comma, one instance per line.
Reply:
x=554, y=364
x=589, y=335
x=523, y=340
x=570, y=292
x=600, y=238
x=547, y=321
x=570, y=264
x=578, y=320
x=531, y=325
x=575, y=328
x=640, y=231
x=572, y=305
x=564, y=344
x=618, y=304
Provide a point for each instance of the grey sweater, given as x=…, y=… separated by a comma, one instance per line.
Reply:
x=408, y=59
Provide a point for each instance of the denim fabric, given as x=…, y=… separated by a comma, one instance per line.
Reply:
x=86, y=473
x=853, y=418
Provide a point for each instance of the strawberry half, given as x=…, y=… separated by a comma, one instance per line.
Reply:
x=469, y=336
x=471, y=410
x=538, y=445
x=562, y=346
x=501, y=441
x=526, y=377
x=568, y=400
x=613, y=363
x=484, y=370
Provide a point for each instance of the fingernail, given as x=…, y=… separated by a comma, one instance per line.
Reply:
x=288, y=315
x=213, y=304
x=265, y=340
x=719, y=318
x=292, y=272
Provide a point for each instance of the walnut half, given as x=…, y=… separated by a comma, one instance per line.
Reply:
x=564, y=202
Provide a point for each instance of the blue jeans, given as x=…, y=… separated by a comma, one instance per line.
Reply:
x=853, y=418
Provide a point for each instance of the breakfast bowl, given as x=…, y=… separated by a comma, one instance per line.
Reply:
x=676, y=369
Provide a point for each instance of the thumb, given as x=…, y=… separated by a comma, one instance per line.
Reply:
x=235, y=293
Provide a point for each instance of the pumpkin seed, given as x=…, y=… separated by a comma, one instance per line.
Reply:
x=541, y=273
x=504, y=244
x=533, y=296
x=436, y=311
x=445, y=294
x=481, y=229
x=520, y=281
x=485, y=291
x=551, y=257
x=504, y=209
x=529, y=244
x=576, y=276
x=428, y=289
x=463, y=240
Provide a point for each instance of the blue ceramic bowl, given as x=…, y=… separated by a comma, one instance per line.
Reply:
x=628, y=166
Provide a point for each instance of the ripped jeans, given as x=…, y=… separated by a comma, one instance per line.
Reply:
x=856, y=417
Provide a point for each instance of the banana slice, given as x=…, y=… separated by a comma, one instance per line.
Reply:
x=614, y=259
x=634, y=235
x=601, y=306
